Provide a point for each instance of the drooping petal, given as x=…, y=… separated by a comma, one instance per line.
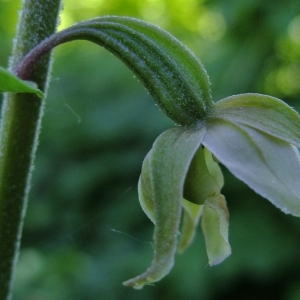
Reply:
x=215, y=223
x=262, y=112
x=169, y=161
x=203, y=180
x=267, y=164
x=145, y=189
x=191, y=215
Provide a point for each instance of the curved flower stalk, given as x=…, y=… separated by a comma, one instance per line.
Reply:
x=171, y=73
x=254, y=136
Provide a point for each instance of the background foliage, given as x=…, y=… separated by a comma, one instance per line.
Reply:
x=85, y=232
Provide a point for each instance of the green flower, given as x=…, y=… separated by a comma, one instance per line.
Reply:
x=255, y=137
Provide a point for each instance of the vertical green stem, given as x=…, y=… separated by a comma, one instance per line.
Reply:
x=20, y=127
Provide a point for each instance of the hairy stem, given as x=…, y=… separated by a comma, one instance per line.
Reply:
x=20, y=127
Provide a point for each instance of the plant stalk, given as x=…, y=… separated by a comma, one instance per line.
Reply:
x=20, y=127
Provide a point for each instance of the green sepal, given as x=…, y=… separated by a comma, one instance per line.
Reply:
x=169, y=160
x=265, y=113
x=9, y=82
x=145, y=189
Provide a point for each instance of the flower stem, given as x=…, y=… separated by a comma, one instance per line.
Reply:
x=20, y=127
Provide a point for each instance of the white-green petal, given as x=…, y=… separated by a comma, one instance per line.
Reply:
x=169, y=161
x=191, y=215
x=262, y=112
x=215, y=223
x=265, y=163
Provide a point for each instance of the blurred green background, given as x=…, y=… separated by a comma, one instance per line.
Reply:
x=84, y=231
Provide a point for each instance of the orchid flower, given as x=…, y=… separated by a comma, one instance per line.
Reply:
x=254, y=136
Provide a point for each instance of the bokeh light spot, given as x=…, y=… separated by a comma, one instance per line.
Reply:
x=294, y=30
x=212, y=26
x=153, y=10
x=66, y=20
x=288, y=79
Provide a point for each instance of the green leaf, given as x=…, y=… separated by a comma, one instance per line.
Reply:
x=9, y=82
x=169, y=161
x=268, y=165
x=215, y=223
x=262, y=112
